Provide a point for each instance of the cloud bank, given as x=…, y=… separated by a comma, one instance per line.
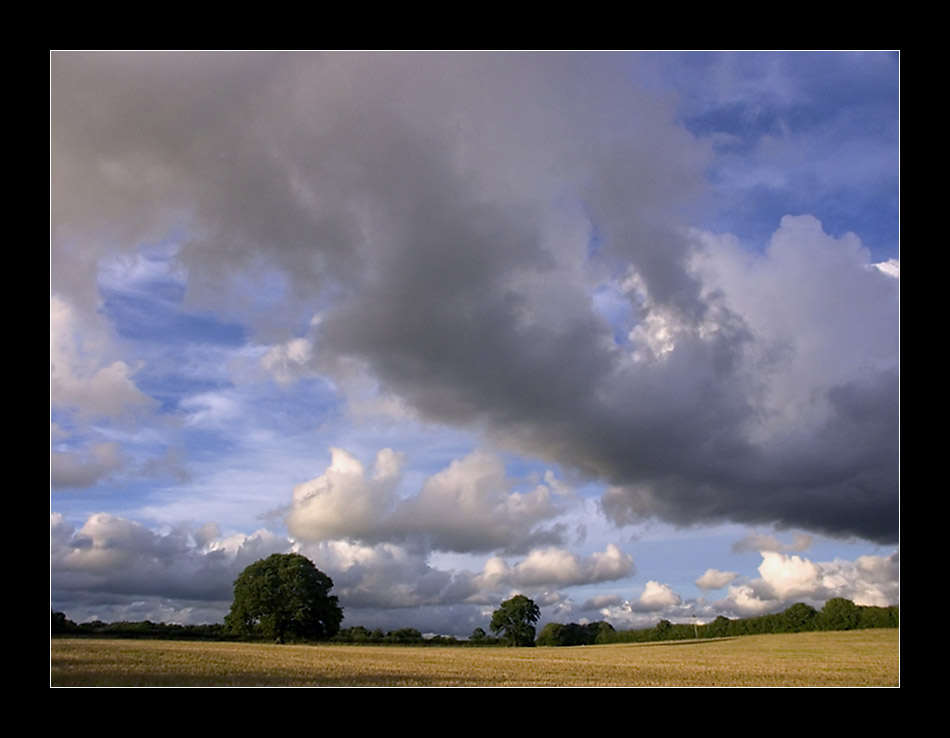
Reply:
x=185, y=574
x=455, y=256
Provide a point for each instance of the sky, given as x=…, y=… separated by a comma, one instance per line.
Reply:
x=616, y=331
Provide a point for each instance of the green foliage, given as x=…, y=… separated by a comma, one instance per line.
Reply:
x=515, y=620
x=839, y=614
x=284, y=597
x=798, y=618
x=59, y=623
x=441, y=640
x=142, y=630
x=576, y=635
x=878, y=617
x=550, y=635
x=602, y=631
x=356, y=634
x=718, y=628
x=405, y=635
x=573, y=634
x=480, y=638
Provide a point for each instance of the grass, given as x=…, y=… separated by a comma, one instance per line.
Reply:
x=864, y=658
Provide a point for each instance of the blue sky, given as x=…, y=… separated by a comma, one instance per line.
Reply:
x=618, y=331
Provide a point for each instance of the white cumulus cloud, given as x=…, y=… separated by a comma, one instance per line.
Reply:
x=472, y=505
x=785, y=579
x=656, y=597
x=715, y=579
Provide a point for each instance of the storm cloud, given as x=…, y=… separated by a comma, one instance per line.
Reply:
x=458, y=223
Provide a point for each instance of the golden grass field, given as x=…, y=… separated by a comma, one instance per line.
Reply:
x=865, y=658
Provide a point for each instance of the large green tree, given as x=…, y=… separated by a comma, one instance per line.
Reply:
x=284, y=597
x=515, y=620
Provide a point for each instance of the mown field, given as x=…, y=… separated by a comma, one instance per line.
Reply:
x=862, y=658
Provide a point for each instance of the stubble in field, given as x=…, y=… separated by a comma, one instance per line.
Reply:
x=854, y=658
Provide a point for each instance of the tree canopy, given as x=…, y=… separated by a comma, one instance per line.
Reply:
x=839, y=614
x=515, y=620
x=799, y=617
x=284, y=597
x=575, y=634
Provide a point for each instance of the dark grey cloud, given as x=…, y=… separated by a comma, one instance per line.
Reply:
x=451, y=215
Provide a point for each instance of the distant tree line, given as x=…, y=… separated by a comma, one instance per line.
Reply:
x=837, y=614
x=60, y=625
x=573, y=634
x=405, y=637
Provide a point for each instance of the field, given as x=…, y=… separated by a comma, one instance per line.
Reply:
x=842, y=659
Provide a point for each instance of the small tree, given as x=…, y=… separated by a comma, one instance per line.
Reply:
x=515, y=620
x=284, y=596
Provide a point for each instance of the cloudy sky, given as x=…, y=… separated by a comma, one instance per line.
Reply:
x=617, y=331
